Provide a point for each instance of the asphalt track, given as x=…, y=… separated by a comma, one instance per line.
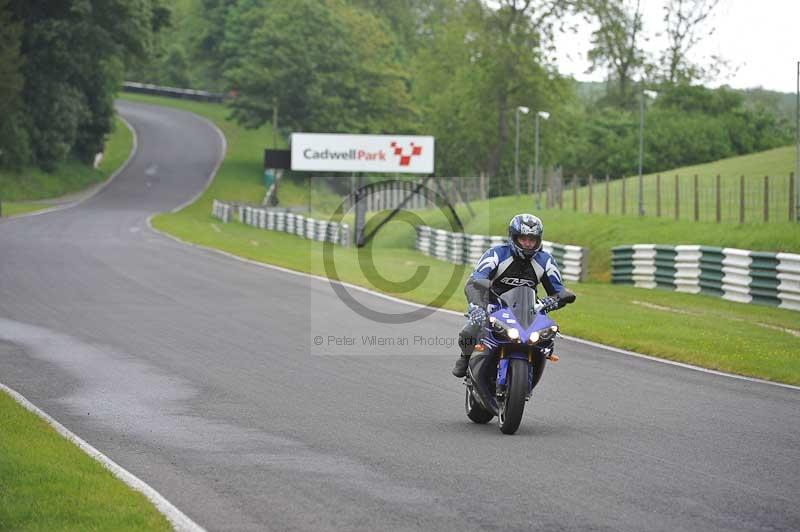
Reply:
x=200, y=374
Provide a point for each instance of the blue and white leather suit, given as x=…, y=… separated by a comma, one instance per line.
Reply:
x=506, y=270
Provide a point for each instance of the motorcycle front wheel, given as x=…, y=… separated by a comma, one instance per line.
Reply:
x=513, y=404
x=475, y=411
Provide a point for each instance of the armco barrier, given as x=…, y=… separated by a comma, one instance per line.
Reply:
x=733, y=274
x=172, y=92
x=271, y=220
x=462, y=248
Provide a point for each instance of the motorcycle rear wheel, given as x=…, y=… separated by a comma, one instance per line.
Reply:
x=513, y=405
x=475, y=411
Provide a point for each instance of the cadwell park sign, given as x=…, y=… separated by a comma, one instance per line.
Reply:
x=362, y=153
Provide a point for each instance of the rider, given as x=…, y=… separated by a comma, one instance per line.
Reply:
x=520, y=262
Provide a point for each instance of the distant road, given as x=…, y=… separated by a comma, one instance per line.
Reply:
x=198, y=374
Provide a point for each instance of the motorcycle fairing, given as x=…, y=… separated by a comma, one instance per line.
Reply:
x=479, y=364
x=502, y=372
x=516, y=311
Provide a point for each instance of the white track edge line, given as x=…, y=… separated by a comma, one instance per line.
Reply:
x=179, y=521
x=418, y=305
x=99, y=189
x=453, y=312
x=214, y=171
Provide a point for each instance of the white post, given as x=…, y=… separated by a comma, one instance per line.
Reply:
x=797, y=155
x=651, y=94
x=641, y=153
x=537, y=178
x=516, y=149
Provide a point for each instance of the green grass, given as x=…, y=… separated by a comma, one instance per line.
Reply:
x=600, y=233
x=701, y=330
x=776, y=163
x=48, y=484
x=13, y=209
x=19, y=190
x=241, y=178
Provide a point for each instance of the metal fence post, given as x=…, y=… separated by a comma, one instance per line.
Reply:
x=574, y=193
x=530, y=179
x=623, y=194
x=677, y=197
x=766, y=198
x=591, y=193
x=607, y=191
x=791, y=196
x=741, y=199
x=719, y=206
x=658, y=195
x=696, y=199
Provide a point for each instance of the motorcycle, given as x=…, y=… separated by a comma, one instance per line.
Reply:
x=510, y=357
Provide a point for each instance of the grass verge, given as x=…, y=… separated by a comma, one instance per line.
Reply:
x=710, y=332
x=600, y=233
x=46, y=483
x=241, y=178
x=33, y=189
x=14, y=209
x=662, y=191
x=714, y=333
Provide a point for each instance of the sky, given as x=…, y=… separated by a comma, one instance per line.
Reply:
x=760, y=38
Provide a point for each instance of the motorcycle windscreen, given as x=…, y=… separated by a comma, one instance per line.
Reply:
x=520, y=301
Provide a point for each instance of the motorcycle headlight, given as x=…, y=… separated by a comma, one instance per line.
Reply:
x=502, y=329
x=543, y=334
x=548, y=333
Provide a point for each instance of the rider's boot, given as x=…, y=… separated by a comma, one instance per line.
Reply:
x=466, y=341
x=460, y=369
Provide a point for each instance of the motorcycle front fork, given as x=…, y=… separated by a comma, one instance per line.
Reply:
x=501, y=389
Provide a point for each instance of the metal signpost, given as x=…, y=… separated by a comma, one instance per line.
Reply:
x=393, y=154
x=649, y=94
x=537, y=176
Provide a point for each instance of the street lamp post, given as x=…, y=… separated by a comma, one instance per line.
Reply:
x=797, y=153
x=649, y=94
x=516, y=149
x=537, y=179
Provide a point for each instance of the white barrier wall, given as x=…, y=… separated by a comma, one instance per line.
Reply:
x=297, y=224
x=737, y=275
x=462, y=248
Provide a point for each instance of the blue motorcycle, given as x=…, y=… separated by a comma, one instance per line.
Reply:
x=510, y=357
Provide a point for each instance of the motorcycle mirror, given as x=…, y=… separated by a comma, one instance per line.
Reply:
x=566, y=296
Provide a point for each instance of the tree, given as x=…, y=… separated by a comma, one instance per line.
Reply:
x=74, y=54
x=684, y=19
x=211, y=35
x=616, y=45
x=328, y=66
x=475, y=66
x=14, y=148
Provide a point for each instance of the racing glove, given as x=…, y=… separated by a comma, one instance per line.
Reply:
x=549, y=304
x=477, y=315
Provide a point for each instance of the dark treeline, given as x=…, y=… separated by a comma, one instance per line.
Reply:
x=455, y=69
x=60, y=65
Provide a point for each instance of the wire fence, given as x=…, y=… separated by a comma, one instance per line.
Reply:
x=721, y=199
x=698, y=198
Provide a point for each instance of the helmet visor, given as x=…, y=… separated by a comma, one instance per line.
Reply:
x=529, y=242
